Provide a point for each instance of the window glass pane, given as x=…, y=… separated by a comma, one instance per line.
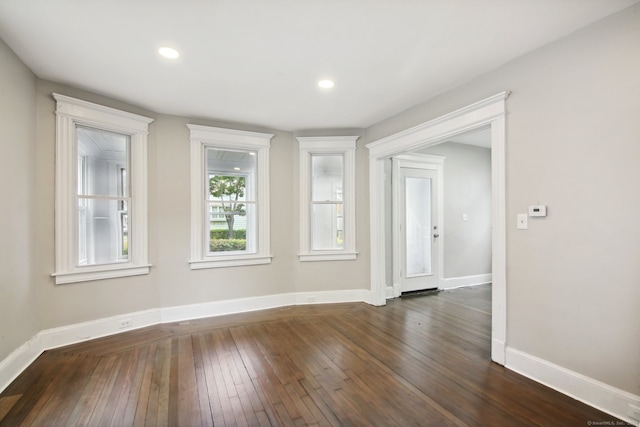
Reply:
x=102, y=163
x=231, y=196
x=228, y=189
x=326, y=177
x=82, y=233
x=103, y=234
x=230, y=174
x=327, y=228
x=123, y=229
x=232, y=230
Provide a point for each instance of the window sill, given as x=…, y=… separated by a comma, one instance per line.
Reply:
x=103, y=272
x=339, y=256
x=230, y=261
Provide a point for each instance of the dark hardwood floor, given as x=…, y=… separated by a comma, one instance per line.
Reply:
x=421, y=360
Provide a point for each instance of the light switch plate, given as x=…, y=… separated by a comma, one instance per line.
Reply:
x=522, y=222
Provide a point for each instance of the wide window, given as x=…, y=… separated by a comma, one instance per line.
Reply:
x=229, y=197
x=101, y=192
x=327, y=184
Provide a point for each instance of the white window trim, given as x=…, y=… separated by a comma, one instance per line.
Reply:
x=202, y=137
x=345, y=146
x=70, y=113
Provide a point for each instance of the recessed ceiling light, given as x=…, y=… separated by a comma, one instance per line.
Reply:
x=169, y=52
x=326, y=84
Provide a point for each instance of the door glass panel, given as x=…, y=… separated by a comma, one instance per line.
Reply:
x=418, y=226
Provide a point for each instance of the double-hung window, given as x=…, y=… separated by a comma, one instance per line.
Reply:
x=327, y=185
x=229, y=197
x=101, y=192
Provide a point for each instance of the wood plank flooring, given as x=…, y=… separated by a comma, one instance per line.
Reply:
x=421, y=360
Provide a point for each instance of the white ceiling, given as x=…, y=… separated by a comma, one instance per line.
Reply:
x=258, y=61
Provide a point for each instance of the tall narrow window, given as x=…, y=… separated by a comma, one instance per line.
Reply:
x=327, y=185
x=326, y=204
x=229, y=197
x=231, y=201
x=103, y=196
x=101, y=207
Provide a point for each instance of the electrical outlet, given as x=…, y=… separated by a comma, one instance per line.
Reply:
x=634, y=412
x=125, y=323
x=311, y=299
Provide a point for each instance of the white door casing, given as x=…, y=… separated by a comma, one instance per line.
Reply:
x=489, y=111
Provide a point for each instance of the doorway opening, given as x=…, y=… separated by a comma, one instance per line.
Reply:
x=488, y=113
x=447, y=244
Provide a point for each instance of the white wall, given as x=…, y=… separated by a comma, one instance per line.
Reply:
x=467, y=190
x=18, y=285
x=573, y=278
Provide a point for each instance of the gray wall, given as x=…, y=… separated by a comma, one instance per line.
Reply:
x=18, y=316
x=573, y=278
x=467, y=190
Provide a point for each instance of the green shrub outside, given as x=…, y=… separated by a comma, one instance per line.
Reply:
x=227, y=245
x=222, y=234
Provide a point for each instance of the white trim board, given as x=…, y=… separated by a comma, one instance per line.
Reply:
x=465, y=281
x=580, y=387
x=48, y=339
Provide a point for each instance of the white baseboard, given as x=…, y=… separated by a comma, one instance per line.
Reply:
x=332, y=297
x=459, y=282
x=587, y=390
x=498, y=351
x=18, y=360
x=393, y=291
x=245, y=305
x=72, y=334
x=389, y=292
x=221, y=308
x=48, y=339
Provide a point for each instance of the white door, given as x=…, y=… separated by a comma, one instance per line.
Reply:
x=419, y=230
